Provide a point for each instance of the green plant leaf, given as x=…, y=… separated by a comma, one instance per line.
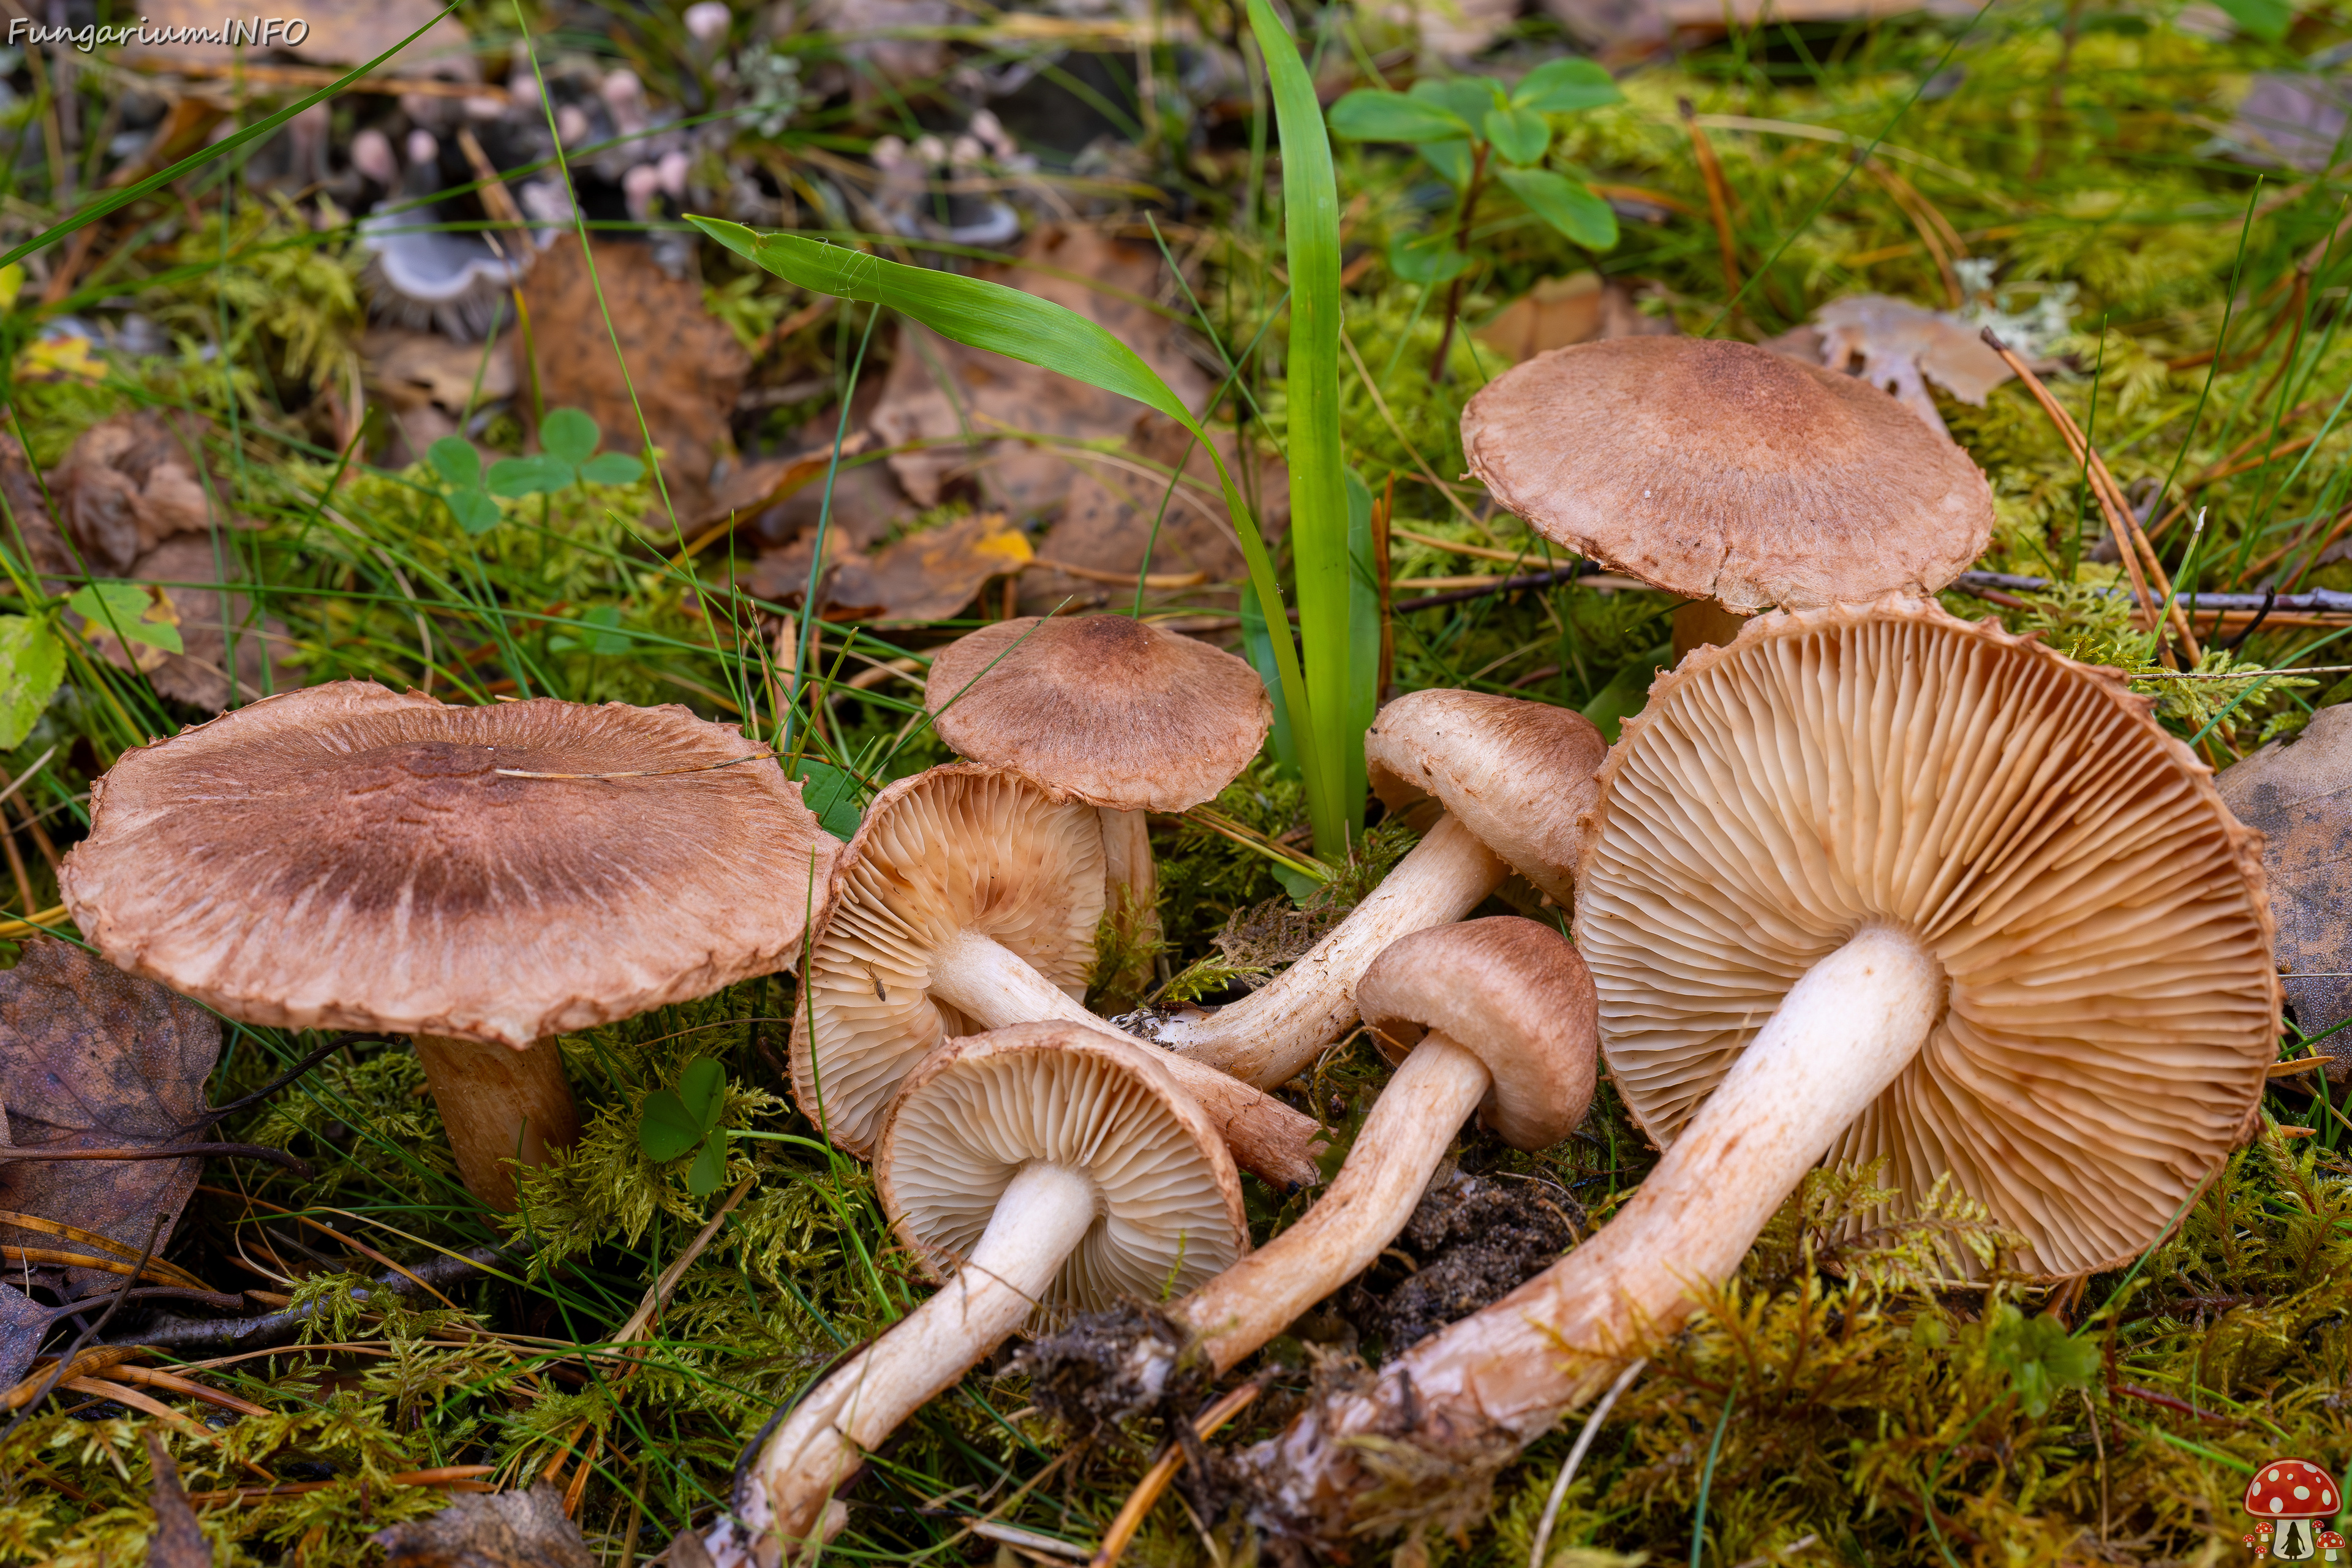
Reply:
x=665, y=1129
x=1450, y=160
x=455, y=460
x=2265, y=19
x=1318, y=496
x=1627, y=691
x=702, y=1088
x=1519, y=135
x=1369, y=115
x=32, y=666
x=601, y=624
x=122, y=608
x=568, y=435
x=1426, y=258
x=1569, y=206
x=1563, y=87
x=514, y=477
x=832, y=795
x=2043, y=1360
x=708, y=1171
x=611, y=469
x=1466, y=98
x=474, y=512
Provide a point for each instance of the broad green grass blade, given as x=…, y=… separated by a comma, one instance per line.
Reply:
x=985, y=315
x=1318, y=498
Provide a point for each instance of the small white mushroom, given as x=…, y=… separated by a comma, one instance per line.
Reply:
x=706, y=21
x=372, y=156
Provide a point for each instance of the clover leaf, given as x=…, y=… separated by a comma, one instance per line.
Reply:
x=676, y=1121
x=567, y=456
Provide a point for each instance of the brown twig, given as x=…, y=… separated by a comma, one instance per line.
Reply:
x=1163, y=1470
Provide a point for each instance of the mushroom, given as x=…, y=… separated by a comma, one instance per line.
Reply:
x=2298, y=792
x=1111, y=709
x=480, y=880
x=1063, y=1172
x=969, y=900
x=423, y=276
x=1494, y=1017
x=1868, y=884
x=1513, y=777
x=2330, y=1544
x=1727, y=474
x=2293, y=1495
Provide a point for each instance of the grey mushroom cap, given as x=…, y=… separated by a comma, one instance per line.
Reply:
x=349, y=857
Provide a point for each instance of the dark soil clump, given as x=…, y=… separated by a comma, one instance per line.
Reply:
x=1473, y=1239
x=1090, y=1377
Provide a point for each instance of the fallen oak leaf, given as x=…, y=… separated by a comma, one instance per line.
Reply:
x=926, y=576
x=494, y=1530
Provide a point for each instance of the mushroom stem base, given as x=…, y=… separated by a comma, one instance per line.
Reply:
x=994, y=987
x=1368, y=1202
x=499, y=1105
x=1276, y=1033
x=1842, y=1033
x=1044, y=1214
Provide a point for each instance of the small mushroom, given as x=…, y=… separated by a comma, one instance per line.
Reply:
x=422, y=277
x=1057, y=1173
x=2291, y=1498
x=478, y=878
x=2331, y=1545
x=969, y=900
x=1111, y=709
x=1514, y=778
x=1727, y=474
x=1868, y=884
x=1495, y=1017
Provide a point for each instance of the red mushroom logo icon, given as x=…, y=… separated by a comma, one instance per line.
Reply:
x=2293, y=1497
x=2330, y=1545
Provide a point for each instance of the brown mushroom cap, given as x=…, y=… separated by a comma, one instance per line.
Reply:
x=346, y=857
x=978, y=1109
x=2297, y=793
x=1720, y=471
x=2098, y=913
x=1512, y=993
x=1519, y=774
x=1109, y=709
x=954, y=849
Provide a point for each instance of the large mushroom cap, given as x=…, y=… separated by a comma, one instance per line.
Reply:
x=950, y=849
x=349, y=857
x=2299, y=794
x=2292, y=1488
x=1720, y=471
x=1519, y=774
x=1112, y=710
x=1169, y=1206
x=2097, y=912
x=1512, y=993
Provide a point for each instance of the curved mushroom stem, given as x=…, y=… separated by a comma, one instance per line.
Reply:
x=499, y=1105
x=1374, y=1193
x=1043, y=1215
x=1842, y=1033
x=1132, y=875
x=994, y=987
x=1275, y=1034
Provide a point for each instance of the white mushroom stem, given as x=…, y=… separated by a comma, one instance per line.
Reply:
x=1130, y=873
x=996, y=988
x=1043, y=1215
x=498, y=1105
x=1275, y=1034
x=1395, y=1153
x=1842, y=1033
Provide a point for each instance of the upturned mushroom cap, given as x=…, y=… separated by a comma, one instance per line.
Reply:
x=1720, y=471
x=1512, y=993
x=2097, y=912
x=1112, y=710
x=351, y=858
x=2297, y=794
x=1519, y=774
x=2292, y=1488
x=977, y=1110
x=955, y=849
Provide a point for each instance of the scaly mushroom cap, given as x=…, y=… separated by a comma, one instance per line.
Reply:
x=973, y=1113
x=1112, y=710
x=2097, y=912
x=954, y=849
x=2299, y=794
x=1720, y=471
x=2291, y=1489
x=1512, y=993
x=1520, y=774
x=349, y=857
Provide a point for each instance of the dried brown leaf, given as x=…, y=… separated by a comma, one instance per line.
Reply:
x=926, y=576
x=187, y=572
x=92, y=1059
x=179, y=1540
x=491, y=1530
x=23, y=1322
x=1560, y=311
x=129, y=483
x=409, y=370
x=2298, y=791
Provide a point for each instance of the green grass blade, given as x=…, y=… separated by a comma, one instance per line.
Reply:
x=1318, y=498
